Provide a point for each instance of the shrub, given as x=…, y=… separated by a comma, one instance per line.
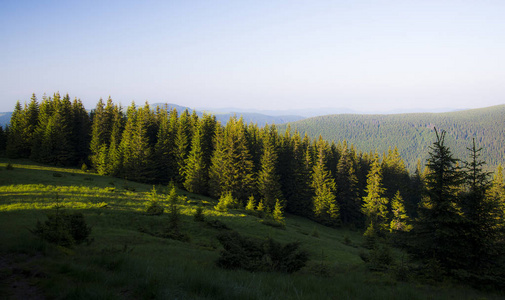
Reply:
x=259, y=255
x=199, y=216
x=154, y=208
x=63, y=228
x=9, y=166
x=379, y=258
x=226, y=201
x=84, y=167
x=56, y=174
x=250, y=203
x=216, y=224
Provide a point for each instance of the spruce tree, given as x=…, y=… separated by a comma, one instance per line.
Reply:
x=195, y=177
x=182, y=148
x=326, y=209
x=347, y=194
x=164, y=149
x=399, y=219
x=438, y=236
x=482, y=215
x=375, y=203
x=15, y=139
x=269, y=187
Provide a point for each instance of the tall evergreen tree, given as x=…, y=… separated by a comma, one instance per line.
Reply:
x=438, y=233
x=15, y=140
x=195, y=170
x=269, y=186
x=482, y=215
x=164, y=148
x=232, y=166
x=375, y=204
x=399, y=219
x=182, y=148
x=347, y=194
x=326, y=208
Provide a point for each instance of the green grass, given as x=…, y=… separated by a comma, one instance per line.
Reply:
x=127, y=260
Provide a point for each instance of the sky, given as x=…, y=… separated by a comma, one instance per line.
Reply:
x=362, y=55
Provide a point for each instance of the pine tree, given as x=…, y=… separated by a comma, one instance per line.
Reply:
x=182, y=148
x=269, y=187
x=374, y=203
x=347, y=194
x=400, y=219
x=482, y=215
x=195, y=169
x=164, y=148
x=326, y=209
x=81, y=132
x=277, y=213
x=15, y=139
x=232, y=166
x=136, y=153
x=438, y=234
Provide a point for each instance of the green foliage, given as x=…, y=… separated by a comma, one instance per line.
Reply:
x=439, y=230
x=409, y=132
x=63, y=228
x=374, y=203
x=400, y=219
x=9, y=167
x=277, y=213
x=379, y=258
x=154, y=208
x=199, y=216
x=226, y=201
x=251, y=204
x=259, y=255
x=326, y=208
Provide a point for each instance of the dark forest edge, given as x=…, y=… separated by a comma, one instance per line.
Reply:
x=450, y=216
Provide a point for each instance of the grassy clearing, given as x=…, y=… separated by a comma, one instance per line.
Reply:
x=127, y=260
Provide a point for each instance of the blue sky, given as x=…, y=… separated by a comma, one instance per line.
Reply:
x=363, y=55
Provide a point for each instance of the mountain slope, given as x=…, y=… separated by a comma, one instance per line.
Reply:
x=414, y=133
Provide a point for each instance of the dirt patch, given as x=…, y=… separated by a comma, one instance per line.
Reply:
x=19, y=277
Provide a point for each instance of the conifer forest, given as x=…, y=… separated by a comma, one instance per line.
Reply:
x=448, y=215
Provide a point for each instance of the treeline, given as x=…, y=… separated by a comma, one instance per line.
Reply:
x=413, y=133
x=451, y=215
x=313, y=178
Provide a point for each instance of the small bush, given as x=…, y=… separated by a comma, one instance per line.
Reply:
x=259, y=255
x=216, y=224
x=63, y=228
x=88, y=178
x=56, y=174
x=226, y=201
x=199, y=216
x=154, y=209
x=9, y=166
x=315, y=232
x=84, y=167
x=380, y=258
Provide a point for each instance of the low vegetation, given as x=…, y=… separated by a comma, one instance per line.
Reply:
x=126, y=261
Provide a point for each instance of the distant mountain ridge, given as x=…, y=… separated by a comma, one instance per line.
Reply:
x=249, y=117
x=413, y=133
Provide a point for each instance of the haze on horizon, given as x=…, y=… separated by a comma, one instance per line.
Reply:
x=266, y=55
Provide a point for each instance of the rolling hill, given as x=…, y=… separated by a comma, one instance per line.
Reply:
x=413, y=133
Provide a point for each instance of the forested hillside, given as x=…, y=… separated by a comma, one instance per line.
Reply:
x=412, y=133
x=450, y=216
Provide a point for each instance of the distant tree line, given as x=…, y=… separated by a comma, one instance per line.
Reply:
x=451, y=214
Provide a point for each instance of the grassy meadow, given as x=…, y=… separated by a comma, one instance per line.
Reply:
x=127, y=260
